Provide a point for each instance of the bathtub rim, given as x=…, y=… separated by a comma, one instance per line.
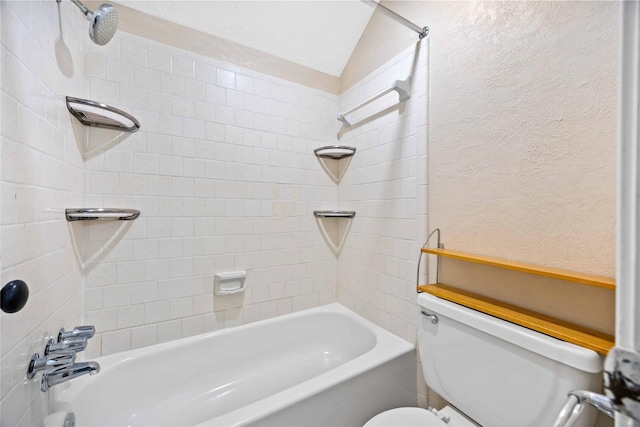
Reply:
x=387, y=347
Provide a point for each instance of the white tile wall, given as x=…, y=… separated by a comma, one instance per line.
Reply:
x=43, y=49
x=224, y=174
x=386, y=184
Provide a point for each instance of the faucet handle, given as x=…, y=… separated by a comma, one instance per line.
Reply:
x=77, y=332
x=49, y=363
x=75, y=345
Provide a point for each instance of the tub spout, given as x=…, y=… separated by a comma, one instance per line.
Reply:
x=62, y=375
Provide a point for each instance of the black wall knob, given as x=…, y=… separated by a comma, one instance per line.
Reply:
x=14, y=296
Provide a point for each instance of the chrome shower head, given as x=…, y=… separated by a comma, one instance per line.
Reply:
x=103, y=23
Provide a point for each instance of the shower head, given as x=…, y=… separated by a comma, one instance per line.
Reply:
x=103, y=23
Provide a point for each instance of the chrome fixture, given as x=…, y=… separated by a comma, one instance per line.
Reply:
x=101, y=214
x=103, y=23
x=49, y=363
x=426, y=242
x=334, y=152
x=97, y=114
x=59, y=361
x=334, y=214
x=75, y=345
x=58, y=376
x=379, y=7
x=622, y=388
x=432, y=317
x=77, y=332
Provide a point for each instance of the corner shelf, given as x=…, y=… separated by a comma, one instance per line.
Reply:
x=334, y=214
x=96, y=114
x=570, y=276
x=101, y=214
x=599, y=342
x=334, y=152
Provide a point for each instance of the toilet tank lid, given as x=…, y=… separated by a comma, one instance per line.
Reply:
x=560, y=351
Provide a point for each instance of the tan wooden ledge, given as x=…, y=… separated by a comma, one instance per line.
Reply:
x=586, y=279
x=569, y=332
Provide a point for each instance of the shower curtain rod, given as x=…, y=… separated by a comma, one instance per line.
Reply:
x=379, y=7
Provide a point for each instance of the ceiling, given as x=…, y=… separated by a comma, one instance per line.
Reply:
x=319, y=34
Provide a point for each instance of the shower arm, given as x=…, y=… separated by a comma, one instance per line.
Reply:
x=82, y=7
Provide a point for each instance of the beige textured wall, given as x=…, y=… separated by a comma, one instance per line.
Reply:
x=521, y=136
x=522, y=125
x=522, y=144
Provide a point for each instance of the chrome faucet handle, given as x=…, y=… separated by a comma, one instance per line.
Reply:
x=77, y=332
x=74, y=345
x=49, y=363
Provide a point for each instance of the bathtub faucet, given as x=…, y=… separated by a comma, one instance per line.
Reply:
x=59, y=361
x=61, y=375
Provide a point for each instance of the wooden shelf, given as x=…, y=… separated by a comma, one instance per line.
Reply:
x=578, y=335
x=586, y=279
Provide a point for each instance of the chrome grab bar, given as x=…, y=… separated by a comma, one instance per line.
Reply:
x=432, y=317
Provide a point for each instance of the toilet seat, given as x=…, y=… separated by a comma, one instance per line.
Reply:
x=406, y=417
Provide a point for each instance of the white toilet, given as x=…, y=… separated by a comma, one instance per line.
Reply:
x=492, y=372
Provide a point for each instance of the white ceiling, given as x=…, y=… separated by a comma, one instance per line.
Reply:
x=319, y=34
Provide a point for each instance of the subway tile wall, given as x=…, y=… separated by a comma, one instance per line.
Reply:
x=386, y=184
x=224, y=175
x=43, y=49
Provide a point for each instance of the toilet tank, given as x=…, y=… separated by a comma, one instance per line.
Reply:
x=499, y=373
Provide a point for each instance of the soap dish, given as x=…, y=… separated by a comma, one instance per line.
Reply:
x=231, y=282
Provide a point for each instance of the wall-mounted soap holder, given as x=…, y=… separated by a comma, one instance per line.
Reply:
x=335, y=159
x=335, y=152
x=97, y=126
x=334, y=226
x=101, y=214
x=334, y=214
x=230, y=283
x=92, y=113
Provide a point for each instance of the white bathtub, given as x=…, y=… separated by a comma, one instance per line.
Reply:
x=321, y=367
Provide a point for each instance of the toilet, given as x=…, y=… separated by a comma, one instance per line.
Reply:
x=492, y=372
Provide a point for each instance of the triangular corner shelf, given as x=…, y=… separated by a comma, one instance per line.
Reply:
x=335, y=159
x=334, y=226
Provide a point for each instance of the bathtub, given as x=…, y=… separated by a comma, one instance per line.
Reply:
x=321, y=367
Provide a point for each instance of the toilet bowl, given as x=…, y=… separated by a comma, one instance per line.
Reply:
x=418, y=417
x=492, y=372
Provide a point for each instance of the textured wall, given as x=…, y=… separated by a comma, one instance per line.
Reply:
x=521, y=134
x=43, y=48
x=523, y=131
